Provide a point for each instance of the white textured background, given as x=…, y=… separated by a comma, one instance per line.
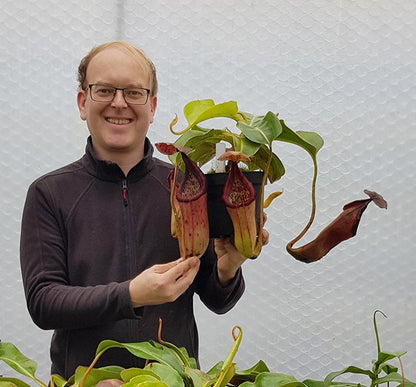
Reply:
x=346, y=69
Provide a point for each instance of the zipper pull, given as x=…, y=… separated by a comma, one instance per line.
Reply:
x=124, y=192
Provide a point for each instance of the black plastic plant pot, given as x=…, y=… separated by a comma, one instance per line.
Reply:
x=220, y=224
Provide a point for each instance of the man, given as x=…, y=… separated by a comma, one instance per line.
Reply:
x=98, y=260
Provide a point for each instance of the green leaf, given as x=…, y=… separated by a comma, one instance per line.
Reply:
x=149, y=350
x=393, y=377
x=261, y=129
x=250, y=374
x=59, y=381
x=320, y=383
x=203, y=154
x=192, y=138
x=278, y=380
x=202, y=110
x=388, y=368
x=258, y=368
x=214, y=370
x=147, y=383
x=130, y=373
x=246, y=146
x=143, y=380
x=97, y=374
x=12, y=382
x=259, y=160
x=19, y=362
x=166, y=374
x=270, y=198
x=202, y=143
x=70, y=381
x=384, y=357
x=351, y=369
x=267, y=379
x=198, y=377
x=314, y=383
x=311, y=138
x=310, y=141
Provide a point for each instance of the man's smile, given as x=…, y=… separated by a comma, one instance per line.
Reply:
x=118, y=121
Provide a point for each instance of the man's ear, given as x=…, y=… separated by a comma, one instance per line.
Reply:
x=153, y=105
x=81, y=100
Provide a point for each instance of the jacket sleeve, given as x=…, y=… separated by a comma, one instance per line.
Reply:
x=218, y=298
x=52, y=302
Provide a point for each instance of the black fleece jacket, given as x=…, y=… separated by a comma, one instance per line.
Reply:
x=87, y=230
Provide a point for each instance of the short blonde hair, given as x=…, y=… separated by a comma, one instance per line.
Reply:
x=134, y=51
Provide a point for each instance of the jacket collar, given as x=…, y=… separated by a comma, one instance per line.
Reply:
x=107, y=170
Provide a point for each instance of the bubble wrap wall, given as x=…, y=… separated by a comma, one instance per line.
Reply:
x=343, y=68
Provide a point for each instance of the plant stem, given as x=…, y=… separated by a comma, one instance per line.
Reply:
x=376, y=371
x=175, y=349
x=402, y=369
x=81, y=384
x=376, y=330
x=313, y=200
x=259, y=243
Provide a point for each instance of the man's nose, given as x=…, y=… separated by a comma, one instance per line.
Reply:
x=118, y=99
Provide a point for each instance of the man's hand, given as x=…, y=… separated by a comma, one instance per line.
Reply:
x=229, y=258
x=163, y=283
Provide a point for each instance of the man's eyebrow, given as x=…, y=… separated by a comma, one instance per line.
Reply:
x=129, y=85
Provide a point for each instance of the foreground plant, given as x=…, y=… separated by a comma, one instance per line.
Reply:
x=167, y=366
x=170, y=366
x=250, y=147
x=381, y=372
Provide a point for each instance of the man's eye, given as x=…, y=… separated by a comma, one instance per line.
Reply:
x=105, y=91
x=135, y=92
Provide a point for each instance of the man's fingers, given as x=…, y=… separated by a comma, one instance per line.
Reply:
x=265, y=235
x=164, y=267
x=182, y=267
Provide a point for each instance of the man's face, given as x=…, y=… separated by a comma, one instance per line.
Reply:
x=117, y=127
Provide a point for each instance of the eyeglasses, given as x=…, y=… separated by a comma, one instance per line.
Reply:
x=132, y=95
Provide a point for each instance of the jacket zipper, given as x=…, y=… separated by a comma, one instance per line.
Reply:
x=124, y=192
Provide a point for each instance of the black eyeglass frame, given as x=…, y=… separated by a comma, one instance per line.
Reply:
x=91, y=85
